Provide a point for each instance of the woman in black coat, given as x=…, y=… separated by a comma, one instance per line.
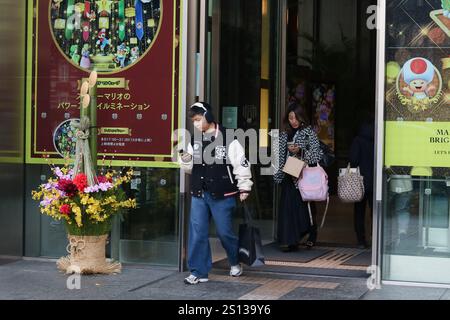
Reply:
x=362, y=156
x=293, y=218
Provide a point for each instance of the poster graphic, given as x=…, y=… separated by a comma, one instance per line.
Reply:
x=324, y=103
x=135, y=47
x=417, y=110
x=441, y=17
x=105, y=35
x=419, y=84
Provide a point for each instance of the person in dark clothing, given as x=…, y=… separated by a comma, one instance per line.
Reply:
x=362, y=156
x=298, y=140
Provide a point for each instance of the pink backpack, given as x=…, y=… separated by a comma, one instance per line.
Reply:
x=313, y=186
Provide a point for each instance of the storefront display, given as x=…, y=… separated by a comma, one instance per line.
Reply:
x=134, y=46
x=416, y=228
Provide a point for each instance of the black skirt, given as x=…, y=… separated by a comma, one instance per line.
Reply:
x=293, y=217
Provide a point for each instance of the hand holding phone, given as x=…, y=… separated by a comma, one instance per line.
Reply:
x=293, y=147
x=185, y=157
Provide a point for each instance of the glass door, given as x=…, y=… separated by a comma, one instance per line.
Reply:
x=242, y=78
x=415, y=226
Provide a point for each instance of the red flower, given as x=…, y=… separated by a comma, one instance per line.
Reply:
x=81, y=182
x=65, y=209
x=68, y=187
x=103, y=179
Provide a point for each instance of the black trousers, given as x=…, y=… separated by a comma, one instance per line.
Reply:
x=312, y=229
x=360, y=214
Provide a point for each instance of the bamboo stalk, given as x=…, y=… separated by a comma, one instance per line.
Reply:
x=93, y=120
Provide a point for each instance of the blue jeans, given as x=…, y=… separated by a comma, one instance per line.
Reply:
x=199, y=251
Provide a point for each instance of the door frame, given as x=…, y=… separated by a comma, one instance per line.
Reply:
x=198, y=20
x=379, y=143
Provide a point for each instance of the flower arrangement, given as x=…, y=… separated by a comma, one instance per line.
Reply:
x=87, y=210
x=85, y=200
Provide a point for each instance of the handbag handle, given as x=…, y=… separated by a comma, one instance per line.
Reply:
x=349, y=167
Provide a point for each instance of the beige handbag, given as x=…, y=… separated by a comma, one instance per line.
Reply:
x=351, y=186
x=294, y=166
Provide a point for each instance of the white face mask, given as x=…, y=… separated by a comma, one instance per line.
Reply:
x=199, y=124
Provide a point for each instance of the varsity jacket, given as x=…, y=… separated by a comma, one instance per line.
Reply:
x=228, y=175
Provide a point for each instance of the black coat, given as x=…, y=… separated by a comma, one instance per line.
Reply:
x=362, y=154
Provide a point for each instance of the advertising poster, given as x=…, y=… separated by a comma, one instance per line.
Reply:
x=135, y=47
x=418, y=85
x=324, y=107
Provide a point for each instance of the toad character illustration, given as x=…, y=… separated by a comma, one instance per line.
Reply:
x=134, y=54
x=418, y=73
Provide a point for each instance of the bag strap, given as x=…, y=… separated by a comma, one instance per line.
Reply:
x=324, y=214
x=310, y=215
x=247, y=214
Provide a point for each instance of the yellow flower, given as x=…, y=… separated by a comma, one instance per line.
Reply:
x=77, y=211
x=84, y=199
x=36, y=195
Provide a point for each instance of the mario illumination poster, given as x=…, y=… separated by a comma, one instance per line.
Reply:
x=134, y=46
x=418, y=85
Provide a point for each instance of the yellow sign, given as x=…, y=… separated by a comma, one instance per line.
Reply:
x=115, y=131
x=103, y=23
x=420, y=144
x=130, y=12
x=110, y=83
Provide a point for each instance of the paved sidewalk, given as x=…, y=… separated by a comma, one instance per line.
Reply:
x=32, y=280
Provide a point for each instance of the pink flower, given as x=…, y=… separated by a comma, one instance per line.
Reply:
x=103, y=179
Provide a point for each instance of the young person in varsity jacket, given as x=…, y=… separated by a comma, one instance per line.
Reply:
x=220, y=172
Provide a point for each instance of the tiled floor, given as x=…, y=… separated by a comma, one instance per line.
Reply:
x=31, y=280
x=332, y=260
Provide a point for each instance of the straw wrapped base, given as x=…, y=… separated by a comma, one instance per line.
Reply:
x=87, y=256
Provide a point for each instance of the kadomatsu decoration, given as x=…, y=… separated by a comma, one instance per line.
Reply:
x=84, y=200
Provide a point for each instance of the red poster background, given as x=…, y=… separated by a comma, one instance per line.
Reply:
x=153, y=81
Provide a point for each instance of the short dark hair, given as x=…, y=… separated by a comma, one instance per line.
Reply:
x=196, y=110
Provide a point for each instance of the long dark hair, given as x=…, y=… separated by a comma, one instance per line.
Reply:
x=300, y=115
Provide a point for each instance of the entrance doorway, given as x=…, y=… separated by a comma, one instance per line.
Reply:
x=263, y=55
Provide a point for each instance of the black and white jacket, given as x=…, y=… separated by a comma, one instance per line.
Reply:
x=227, y=177
x=308, y=142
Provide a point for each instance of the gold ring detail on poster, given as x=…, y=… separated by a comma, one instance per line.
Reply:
x=418, y=105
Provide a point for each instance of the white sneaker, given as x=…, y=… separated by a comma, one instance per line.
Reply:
x=194, y=280
x=236, y=270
